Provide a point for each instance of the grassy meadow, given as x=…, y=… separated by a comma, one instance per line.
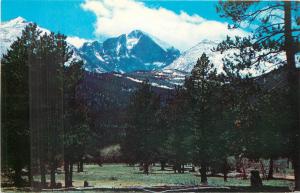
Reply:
x=121, y=175
x=118, y=176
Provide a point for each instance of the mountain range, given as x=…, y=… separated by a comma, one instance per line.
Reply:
x=136, y=56
x=136, y=51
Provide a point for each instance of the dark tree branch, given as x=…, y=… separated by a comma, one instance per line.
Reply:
x=259, y=11
x=264, y=38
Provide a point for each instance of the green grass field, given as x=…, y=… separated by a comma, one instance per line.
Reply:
x=119, y=175
x=123, y=176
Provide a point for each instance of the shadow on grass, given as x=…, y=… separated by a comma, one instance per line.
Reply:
x=159, y=173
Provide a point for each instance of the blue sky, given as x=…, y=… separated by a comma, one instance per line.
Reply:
x=55, y=15
x=68, y=17
x=81, y=18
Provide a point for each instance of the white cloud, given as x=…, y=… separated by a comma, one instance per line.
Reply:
x=76, y=41
x=115, y=17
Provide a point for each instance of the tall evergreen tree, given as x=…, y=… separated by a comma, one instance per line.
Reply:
x=76, y=128
x=177, y=145
x=142, y=139
x=46, y=102
x=202, y=87
x=15, y=127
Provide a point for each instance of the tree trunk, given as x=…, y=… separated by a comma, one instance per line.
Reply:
x=18, y=177
x=225, y=176
x=52, y=175
x=67, y=173
x=43, y=174
x=271, y=169
x=244, y=173
x=255, y=179
x=81, y=165
x=296, y=164
x=225, y=170
x=262, y=169
x=238, y=164
x=193, y=169
x=182, y=168
x=162, y=165
x=177, y=167
x=71, y=175
x=290, y=48
x=30, y=177
x=146, y=168
x=203, y=173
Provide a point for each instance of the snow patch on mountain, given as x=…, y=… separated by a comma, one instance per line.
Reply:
x=151, y=83
x=131, y=42
x=135, y=80
x=161, y=86
x=99, y=57
x=188, y=59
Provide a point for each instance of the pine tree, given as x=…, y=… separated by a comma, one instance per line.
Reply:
x=177, y=145
x=76, y=127
x=46, y=91
x=15, y=104
x=142, y=139
x=202, y=88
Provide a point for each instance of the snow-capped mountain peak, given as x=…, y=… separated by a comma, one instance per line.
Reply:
x=188, y=59
x=17, y=20
x=10, y=31
x=133, y=38
x=136, y=34
x=126, y=53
